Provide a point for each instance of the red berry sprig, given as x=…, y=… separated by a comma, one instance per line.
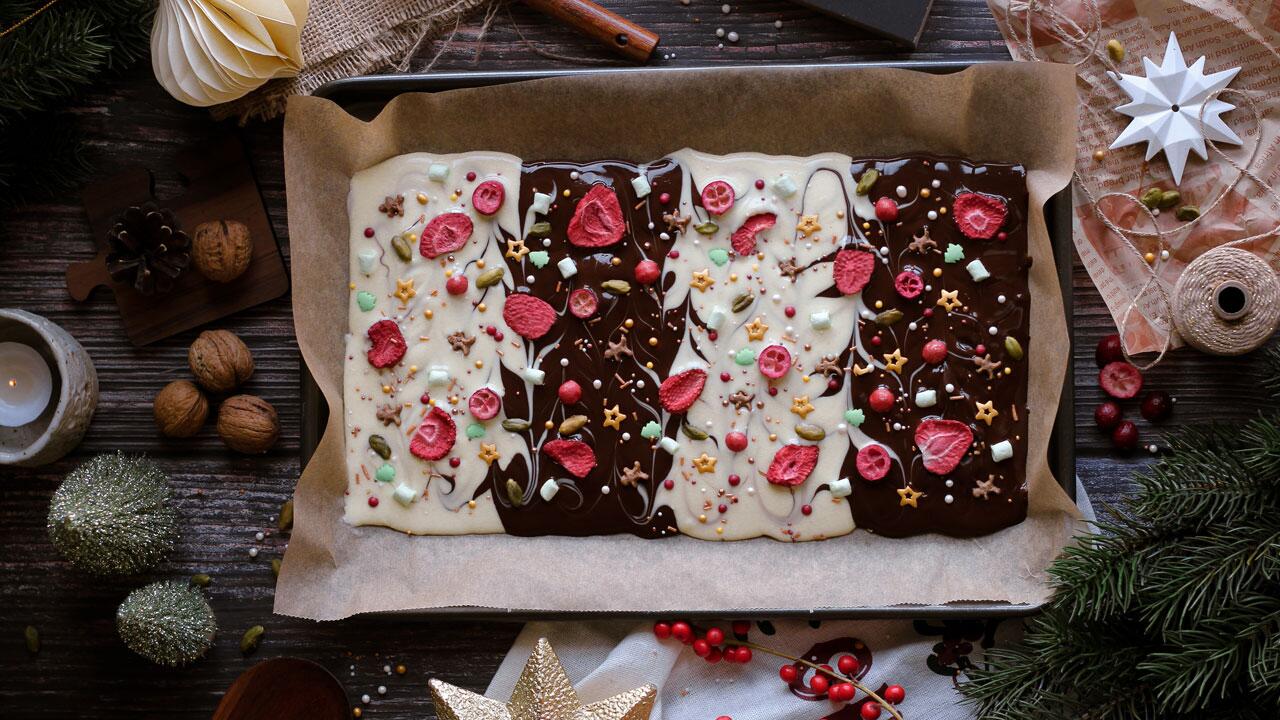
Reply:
x=839, y=683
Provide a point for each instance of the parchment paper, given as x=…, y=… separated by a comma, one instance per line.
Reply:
x=1001, y=112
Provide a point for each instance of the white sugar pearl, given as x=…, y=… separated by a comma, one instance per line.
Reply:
x=1164, y=254
x=788, y=329
x=258, y=537
x=776, y=23
x=382, y=689
x=626, y=436
x=936, y=183
x=546, y=243
x=913, y=326
x=1152, y=448
x=884, y=250
x=733, y=37
x=253, y=552
x=900, y=191
x=868, y=315
x=604, y=490
x=776, y=297
x=841, y=427
x=993, y=330
x=932, y=215
x=386, y=669
x=948, y=499
x=573, y=175
x=640, y=384
x=950, y=482
x=1002, y=299
x=720, y=32
x=366, y=699
x=897, y=426
x=950, y=388
x=751, y=491
x=529, y=279
x=596, y=384
x=664, y=236
x=710, y=423
x=725, y=8
x=651, y=226
x=564, y=362
x=928, y=288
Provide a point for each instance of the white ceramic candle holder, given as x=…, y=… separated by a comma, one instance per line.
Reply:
x=75, y=392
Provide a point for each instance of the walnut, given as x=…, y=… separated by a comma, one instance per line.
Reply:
x=221, y=250
x=180, y=409
x=220, y=361
x=248, y=424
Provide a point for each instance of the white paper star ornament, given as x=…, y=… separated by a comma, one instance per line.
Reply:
x=1167, y=107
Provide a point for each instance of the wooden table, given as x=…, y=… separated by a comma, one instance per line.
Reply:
x=84, y=671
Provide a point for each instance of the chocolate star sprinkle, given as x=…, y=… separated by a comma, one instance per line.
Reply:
x=676, y=222
x=389, y=414
x=461, y=342
x=986, y=487
x=392, y=206
x=633, y=474
x=790, y=268
x=741, y=400
x=922, y=243
x=985, y=365
x=618, y=349
x=829, y=366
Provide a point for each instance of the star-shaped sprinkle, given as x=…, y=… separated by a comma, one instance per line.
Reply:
x=389, y=414
x=613, y=417
x=949, y=300
x=985, y=365
x=909, y=496
x=632, y=475
x=488, y=453
x=808, y=225
x=461, y=342
x=756, y=329
x=676, y=222
x=516, y=249
x=829, y=366
x=789, y=269
x=922, y=243
x=986, y=487
x=801, y=406
x=702, y=280
x=741, y=400
x=404, y=290
x=954, y=253
x=894, y=361
x=618, y=349
x=986, y=412
x=705, y=463
x=392, y=206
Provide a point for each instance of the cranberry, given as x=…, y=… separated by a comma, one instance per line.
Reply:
x=455, y=462
x=1125, y=436
x=456, y=284
x=664, y=198
x=744, y=655
x=759, y=184
x=662, y=630
x=715, y=636
x=790, y=311
x=819, y=683
x=870, y=710
x=848, y=664
x=934, y=351
x=788, y=673
x=725, y=377
x=714, y=656
x=980, y=349
x=894, y=694
x=570, y=392
x=806, y=510
x=673, y=254
x=875, y=340
x=368, y=232
x=471, y=176
x=498, y=336
x=736, y=441
x=842, y=692
x=773, y=391
x=1002, y=236
x=668, y=483
x=491, y=330
x=733, y=482
x=740, y=627
x=712, y=335
x=882, y=399
x=373, y=502
x=886, y=209
x=722, y=508
x=1156, y=406
x=681, y=631
x=1107, y=415
x=701, y=647
x=647, y=272
x=1108, y=350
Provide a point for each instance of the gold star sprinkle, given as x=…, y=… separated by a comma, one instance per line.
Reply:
x=488, y=453
x=702, y=280
x=705, y=463
x=613, y=417
x=986, y=487
x=404, y=290
x=801, y=406
x=986, y=412
x=756, y=329
x=894, y=361
x=516, y=249
x=949, y=301
x=808, y=225
x=909, y=496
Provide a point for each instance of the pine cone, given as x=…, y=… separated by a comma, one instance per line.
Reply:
x=148, y=249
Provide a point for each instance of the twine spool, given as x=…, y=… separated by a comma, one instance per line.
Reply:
x=1227, y=302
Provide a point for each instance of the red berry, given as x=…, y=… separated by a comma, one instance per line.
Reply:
x=662, y=630
x=740, y=627
x=870, y=710
x=701, y=647
x=1125, y=436
x=1156, y=406
x=980, y=349
x=875, y=340
x=373, y=502
x=668, y=483
x=455, y=462
x=491, y=330
x=886, y=209
x=819, y=683
x=1109, y=350
x=723, y=508
x=881, y=399
x=788, y=673
x=673, y=254
x=894, y=694
x=1120, y=380
x=570, y=392
x=647, y=272
x=934, y=351
x=731, y=654
x=664, y=198
x=456, y=285
x=736, y=441
x=725, y=377
x=715, y=636
x=843, y=692
x=724, y=717
x=733, y=482
x=1107, y=415
x=847, y=664
x=744, y=654
x=759, y=184
x=806, y=510
x=712, y=335
x=498, y=336
x=714, y=656
x=471, y=176
x=681, y=631
x=789, y=310
x=368, y=232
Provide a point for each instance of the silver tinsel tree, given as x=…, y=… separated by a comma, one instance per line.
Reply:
x=111, y=516
x=167, y=622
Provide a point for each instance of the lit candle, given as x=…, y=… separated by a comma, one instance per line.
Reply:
x=25, y=384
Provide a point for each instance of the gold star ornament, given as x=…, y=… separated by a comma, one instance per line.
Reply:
x=949, y=300
x=701, y=280
x=613, y=417
x=404, y=290
x=808, y=225
x=543, y=692
x=756, y=329
x=908, y=496
x=986, y=412
x=894, y=361
x=705, y=463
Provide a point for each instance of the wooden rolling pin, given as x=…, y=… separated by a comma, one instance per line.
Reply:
x=623, y=36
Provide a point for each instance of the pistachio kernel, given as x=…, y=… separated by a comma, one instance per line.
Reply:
x=572, y=424
x=1168, y=199
x=286, y=515
x=1012, y=347
x=742, y=302
x=1115, y=50
x=706, y=228
x=617, y=287
x=1151, y=198
x=692, y=432
x=378, y=444
x=201, y=580
x=489, y=278
x=514, y=492
x=889, y=317
x=515, y=425
x=32, y=637
x=810, y=432
x=867, y=181
x=1187, y=213
x=401, y=246
x=252, y=639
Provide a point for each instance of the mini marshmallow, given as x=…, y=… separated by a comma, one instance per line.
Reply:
x=533, y=375
x=438, y=375
x=841, y=488
x=820, y=320
x=784, y=186
x=716, y=318
x=926, y=398
x=1001, y=451
x=977, y=271
x=438, y=172
x=640, y=184
x=568, y=268
x=670, y=445
x=366, y=258
x=541, y=203
x=549, y=490
x=404, y=494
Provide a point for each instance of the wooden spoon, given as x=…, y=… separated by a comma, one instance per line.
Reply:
x=284, y=689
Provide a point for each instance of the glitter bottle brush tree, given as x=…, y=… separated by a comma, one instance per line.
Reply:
x=168, y=622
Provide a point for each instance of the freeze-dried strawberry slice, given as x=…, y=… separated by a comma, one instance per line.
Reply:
x=852, y=270
x=774, y=361
x=576, y=456
x=488, y=196
x=529, y=316
x=388, y=344
x=484, y=404
x=435, y=436
x=792, y=464
x=583, y=303
x=978, y=216
x=942, y=444
x=445, y=233
x=597, y=220
x=873, y=461
x=909, y=284
x=743, y=239
x=678, y=392
x=1120, y=380
x=717, y=197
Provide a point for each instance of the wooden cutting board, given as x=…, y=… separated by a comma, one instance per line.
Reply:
x=899, y=20
x=219, y=185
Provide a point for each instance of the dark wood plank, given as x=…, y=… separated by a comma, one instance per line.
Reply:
x=83, y=671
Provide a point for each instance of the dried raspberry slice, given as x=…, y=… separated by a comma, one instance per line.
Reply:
x=574, y=455
x=852, y=270
x=942, y=444
x=435, y=436
x=873, y=461
x=717, y=197
x=484, y=404
x=1120, y=380
x=529, y=316
x=597, y=220
x=678, y=392
x=977, y=215
x=774, y=361
x=792, y=464
x=743, y=239
x=388, y=344
x=445, y=233
x=488, y=196
x=583, y=303
x=909, y=284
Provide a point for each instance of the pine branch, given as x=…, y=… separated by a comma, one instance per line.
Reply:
x=51, y=57
x=38, y=158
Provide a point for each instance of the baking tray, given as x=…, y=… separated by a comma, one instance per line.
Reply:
x=364, y=97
